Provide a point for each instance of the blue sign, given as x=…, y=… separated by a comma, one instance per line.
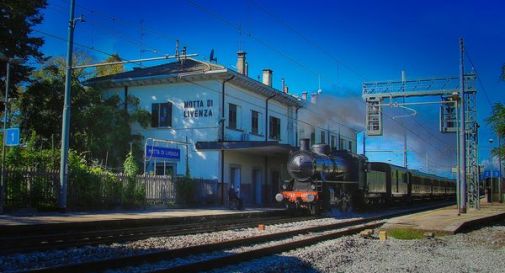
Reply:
x=487, y=174
x=162, y=153
x=12, y=137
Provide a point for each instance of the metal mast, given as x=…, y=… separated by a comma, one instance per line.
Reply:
x=455, y=91
x=62, y=200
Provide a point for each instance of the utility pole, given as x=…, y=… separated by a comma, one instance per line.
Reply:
x=6, y=99
x=500, y=197
x=62, y=200
x=462, y=132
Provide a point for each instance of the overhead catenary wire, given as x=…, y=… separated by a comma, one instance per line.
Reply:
x=75, y=43
x=257, y=39
x=127, y=23
x=240, y=29
x=478, y=79
x=206, y=87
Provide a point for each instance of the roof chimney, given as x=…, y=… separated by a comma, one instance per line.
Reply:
x=304, y=95
x=267, y=77
x=286, y=89
x=313, y=98
x=241, y=63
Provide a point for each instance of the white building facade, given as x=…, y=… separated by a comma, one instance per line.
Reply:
x=218, y=123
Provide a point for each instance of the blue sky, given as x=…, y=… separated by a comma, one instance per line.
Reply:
x=343, y=42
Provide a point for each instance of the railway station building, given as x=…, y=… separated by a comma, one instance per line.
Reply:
x=219, y=124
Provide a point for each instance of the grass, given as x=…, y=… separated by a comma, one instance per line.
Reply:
x=406, y=234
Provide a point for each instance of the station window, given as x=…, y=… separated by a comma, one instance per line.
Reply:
x=161, y=115
x=232, y=116
x=255, y=122
x=312, y=138
x=350, y=146
x=275, y=128
x=323, y=137
x=333, y=142
x=341, y=144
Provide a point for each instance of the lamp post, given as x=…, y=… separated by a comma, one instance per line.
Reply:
x=490, y=197
x=6, y=114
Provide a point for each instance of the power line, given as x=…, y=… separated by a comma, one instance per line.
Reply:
x=317, y=46
x=309, y=41
x=479, y=80
x=75, y=43
x=103, y=28
x=125, y=22
x=249, y=34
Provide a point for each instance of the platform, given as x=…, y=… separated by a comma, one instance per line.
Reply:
x=446, y=220
x=60, y=221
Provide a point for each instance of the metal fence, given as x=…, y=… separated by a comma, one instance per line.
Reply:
x=38, y=189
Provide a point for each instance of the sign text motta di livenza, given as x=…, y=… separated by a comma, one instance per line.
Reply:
x=198, y=108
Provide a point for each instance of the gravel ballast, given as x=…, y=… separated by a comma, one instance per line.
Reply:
x=481, y=250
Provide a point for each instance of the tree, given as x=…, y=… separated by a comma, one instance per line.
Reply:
x=497, y=122
x=110, y=69
x=17, y=19
x=100, y=126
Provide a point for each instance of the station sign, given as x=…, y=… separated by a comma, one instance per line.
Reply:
x=163, y=153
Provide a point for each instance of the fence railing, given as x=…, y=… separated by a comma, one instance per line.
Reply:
x=39, y=189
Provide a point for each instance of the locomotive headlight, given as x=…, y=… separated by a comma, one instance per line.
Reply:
x=284, y=187
x=313, y=187
x=279, y=197
x=310, y=198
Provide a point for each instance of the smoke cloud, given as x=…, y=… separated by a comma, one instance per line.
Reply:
x=428, y=149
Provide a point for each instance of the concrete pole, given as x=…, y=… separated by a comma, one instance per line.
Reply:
x=62, y=200
x=6, y=109
x=500, y=198
x=462, y=132
x=458, y=152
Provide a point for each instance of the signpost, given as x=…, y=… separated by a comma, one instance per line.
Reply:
x=12, y=137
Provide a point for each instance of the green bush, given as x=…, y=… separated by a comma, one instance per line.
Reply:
x=32, y=174
x=185, y=191
x=134, y=192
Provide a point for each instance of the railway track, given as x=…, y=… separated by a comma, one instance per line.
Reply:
x=44, y=242
x=287, y=240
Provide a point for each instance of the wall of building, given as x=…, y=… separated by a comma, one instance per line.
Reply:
x=205, y=99
x=250, y=192
x=249, y=101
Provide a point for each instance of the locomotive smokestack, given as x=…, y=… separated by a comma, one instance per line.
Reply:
x=304, y=144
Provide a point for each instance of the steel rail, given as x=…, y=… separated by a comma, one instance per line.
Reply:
x=268, y=250
x=75, y=239
x=114, y=263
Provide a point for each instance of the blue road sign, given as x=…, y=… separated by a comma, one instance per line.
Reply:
x=163, y=153
x=12, y=137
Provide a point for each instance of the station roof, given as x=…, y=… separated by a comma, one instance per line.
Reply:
x=189, y=70
x=266, y=148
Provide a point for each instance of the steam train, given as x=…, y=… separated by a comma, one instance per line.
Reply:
x=322, y=179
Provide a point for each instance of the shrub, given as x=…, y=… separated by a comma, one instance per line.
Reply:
x=185, y=191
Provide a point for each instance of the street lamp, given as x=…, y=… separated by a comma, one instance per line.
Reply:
x=9, y=61
x=490, y=197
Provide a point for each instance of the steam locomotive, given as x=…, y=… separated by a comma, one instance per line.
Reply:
x=322, y=179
